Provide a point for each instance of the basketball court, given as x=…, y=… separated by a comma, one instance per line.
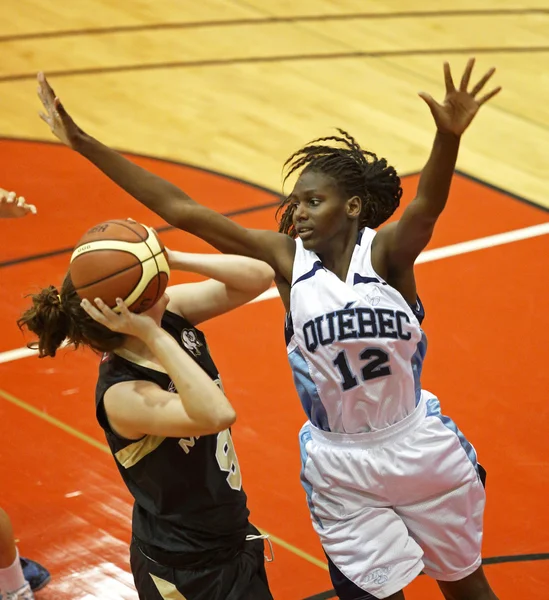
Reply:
x=214, y=96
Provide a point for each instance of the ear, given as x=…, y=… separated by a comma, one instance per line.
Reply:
x=353, y=207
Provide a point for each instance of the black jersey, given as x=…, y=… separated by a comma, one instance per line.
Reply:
x=188, y=492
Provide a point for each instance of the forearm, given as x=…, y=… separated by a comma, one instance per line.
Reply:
x=202, y=400
x=238, y=272
x=162, y=197
x=436, y=177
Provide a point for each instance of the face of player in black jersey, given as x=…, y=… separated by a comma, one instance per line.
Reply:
x=321, y=214
x=158, y=309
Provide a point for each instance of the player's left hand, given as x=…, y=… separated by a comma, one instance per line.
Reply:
x=460, y=106
x=13, y=206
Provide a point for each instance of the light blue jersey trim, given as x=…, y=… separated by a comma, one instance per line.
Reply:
x=433, y=410
x=307, y=391
x=417, y=364
x=304, y=438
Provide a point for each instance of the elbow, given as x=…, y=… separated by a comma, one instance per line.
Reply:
x=268, y=276
x=263, y=278
x=224, y=420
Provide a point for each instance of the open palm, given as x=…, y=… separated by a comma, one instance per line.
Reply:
x=459, y=106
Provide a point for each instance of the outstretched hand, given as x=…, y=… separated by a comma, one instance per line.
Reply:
x=13, y=206
x=460, y=106
x=57, y=118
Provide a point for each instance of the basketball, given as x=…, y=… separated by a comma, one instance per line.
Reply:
x=120, y=259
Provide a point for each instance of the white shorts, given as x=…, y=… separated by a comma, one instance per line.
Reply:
x=391, y=503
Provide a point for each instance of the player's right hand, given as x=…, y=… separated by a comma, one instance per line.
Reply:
x=57, y=118
x=124, y=321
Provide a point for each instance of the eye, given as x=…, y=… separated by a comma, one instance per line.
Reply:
x=314, y=202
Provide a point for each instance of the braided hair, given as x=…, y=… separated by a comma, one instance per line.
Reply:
x=356, y=172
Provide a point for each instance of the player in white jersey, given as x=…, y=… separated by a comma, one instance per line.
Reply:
x=393, y=486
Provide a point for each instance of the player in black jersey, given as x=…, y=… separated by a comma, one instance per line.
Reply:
x=160, y=401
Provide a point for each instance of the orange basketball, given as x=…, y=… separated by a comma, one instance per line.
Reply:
x=120, y=259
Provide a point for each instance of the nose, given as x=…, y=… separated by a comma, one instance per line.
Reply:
x=300, y=213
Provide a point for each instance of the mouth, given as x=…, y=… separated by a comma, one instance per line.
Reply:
x=305, y=233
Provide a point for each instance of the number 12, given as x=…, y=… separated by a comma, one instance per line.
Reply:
x=376, y=367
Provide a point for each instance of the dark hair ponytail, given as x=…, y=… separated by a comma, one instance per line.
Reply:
x=56, y=316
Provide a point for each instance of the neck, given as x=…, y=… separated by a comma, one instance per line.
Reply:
x=136, y=346
x=337, y=257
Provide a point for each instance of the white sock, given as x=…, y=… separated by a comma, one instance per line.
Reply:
x=12, y=578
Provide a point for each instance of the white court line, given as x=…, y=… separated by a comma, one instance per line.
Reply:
x=428, y=256
x=16, y=354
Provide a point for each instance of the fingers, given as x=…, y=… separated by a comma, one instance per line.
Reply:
x=482, y=82
x=45, y=88
x=47, y=96
x=123, y=308
x=94, y=313
x=58, y=106
x=450, y=87
x=107, y=311
x=46, y=119
x=489, y=96
x=429, y=100
x=464, y=83
x=8, y=197
x=105, y=315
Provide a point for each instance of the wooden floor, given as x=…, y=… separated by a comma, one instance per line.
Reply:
x=234, y=87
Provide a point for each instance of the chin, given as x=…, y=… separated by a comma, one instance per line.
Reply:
x=309, y=244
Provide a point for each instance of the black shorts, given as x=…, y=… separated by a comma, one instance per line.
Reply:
x=241, y=578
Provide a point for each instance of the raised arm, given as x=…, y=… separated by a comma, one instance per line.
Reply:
x=233, y=281
x=164, y=198
x=397, y=245
x=136, y=408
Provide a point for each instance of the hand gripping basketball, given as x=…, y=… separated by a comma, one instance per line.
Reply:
x=124, y=321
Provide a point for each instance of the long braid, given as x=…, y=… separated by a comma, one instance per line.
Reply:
x=356, y=172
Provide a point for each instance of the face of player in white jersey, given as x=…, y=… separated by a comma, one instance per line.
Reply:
x=322, y=215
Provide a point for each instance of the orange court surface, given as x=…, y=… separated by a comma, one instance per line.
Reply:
x=208, y=124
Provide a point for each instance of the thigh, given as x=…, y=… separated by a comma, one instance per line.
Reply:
x=152, y=581
x=373, y=550
x=249, y=577
x=258, y=589
x=449, y=529
x=242, y=578
x=344, y=587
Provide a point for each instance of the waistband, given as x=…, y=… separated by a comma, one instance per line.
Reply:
x=372, y=438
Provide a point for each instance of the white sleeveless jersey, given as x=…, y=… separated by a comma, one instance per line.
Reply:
x=355, y=347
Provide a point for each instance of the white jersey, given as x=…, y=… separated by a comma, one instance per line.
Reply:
x=355, y=347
